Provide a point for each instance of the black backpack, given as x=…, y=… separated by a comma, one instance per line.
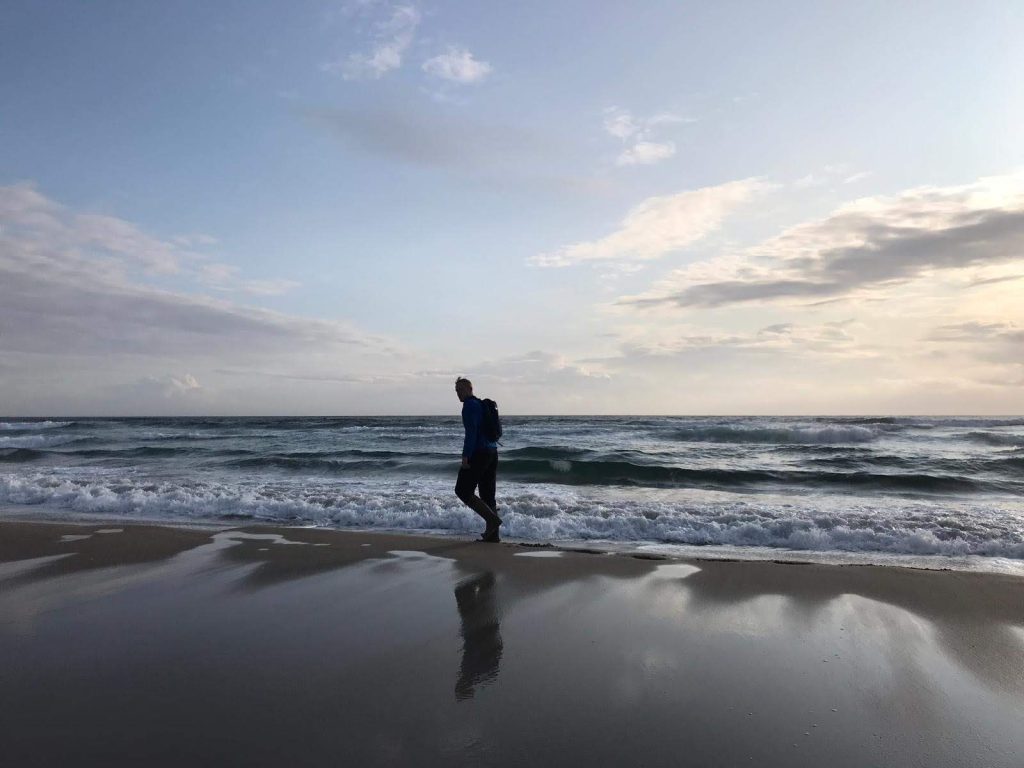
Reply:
x=491, y=421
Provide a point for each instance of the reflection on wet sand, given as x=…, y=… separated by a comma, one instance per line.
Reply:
x=87, y=548
x=252, y=649
x=283, y=554
x=481, y=634
x=976, y=617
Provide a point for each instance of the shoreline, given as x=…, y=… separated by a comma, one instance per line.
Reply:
x=648, y=549
x=263, y=645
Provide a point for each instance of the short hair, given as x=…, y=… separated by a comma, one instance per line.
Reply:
x=462, y=381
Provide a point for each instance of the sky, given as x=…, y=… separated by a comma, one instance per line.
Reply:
x=335, y=208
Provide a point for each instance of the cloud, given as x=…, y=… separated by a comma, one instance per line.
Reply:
x=978, y=331
x=871, y=243
x=225, y=277
x=76, y=284
x=829, y=338
x=437, y=139
x=853, y=178
x=638, y=133
x=659, y=225
x=646, y=153
x=536, y=368
x=458, y=66
x=172, y=386
x=992, y=280
x=539, y=381
x=393, y=37
x=620, y=123
x=86, y=247
x=839, y=173
x=42, y=226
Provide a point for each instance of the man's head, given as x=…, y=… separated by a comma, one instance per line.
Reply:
x=463, y=388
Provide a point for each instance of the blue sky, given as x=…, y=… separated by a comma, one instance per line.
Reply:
x=658, y=207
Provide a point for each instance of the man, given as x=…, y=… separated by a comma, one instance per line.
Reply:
x=479, y=462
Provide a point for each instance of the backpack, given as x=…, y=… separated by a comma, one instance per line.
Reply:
x=491, y=421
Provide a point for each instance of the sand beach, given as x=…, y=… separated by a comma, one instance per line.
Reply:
x=160, y=645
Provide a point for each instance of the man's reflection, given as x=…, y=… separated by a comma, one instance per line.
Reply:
x=481, y=635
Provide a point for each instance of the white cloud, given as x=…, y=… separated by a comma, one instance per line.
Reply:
x=101, y=247
x=171, y=386
x=84, y=328
x=393, y=37
x=646, y=153
x=76, y=284
x=671, y=340
x=659, y=225
x=638, y=133
x=458, y=66
x=870, y=244
x=837, y=173
x=620, y=123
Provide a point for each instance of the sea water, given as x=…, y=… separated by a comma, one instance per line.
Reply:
x=875, y=489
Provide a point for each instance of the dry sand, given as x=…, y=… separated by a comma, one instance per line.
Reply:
x=145, y=645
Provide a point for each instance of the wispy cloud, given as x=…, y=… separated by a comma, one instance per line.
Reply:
x=638, y=135
x=77, y=284
x=99, y=246
x=659, y=225
x=978, y=331
x=225, y=277
x=457, y=65
x=171, y=386
x=673, y=341
x=438, y=139
x=646, y=153
x=839, y=173
x=871, y=243
x=392, y=38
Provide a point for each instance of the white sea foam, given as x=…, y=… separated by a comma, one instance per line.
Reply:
x=31, y=441
x=963, y=422
x=543, y=513
x=829, y=435
x=10, y=425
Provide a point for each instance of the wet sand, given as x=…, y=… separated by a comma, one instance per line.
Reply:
x=147, y=645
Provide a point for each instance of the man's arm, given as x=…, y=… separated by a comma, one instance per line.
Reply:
x=471, y=415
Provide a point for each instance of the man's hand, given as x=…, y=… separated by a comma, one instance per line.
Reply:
x=465, y=463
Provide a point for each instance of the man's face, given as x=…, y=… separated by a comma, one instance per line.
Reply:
x=462, y=392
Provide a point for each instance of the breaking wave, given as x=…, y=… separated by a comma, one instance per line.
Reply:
x=998, y=439
x=530, y=514
x=830, y=435
x=886, y=484
x=26, y=425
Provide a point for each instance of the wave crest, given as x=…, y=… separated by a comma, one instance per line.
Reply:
x=998, y=439
x=918, y=529
x=830, y=435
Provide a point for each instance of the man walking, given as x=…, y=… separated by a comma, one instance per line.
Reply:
x=479, y=462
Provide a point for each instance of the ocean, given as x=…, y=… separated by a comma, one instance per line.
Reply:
x=937, y=492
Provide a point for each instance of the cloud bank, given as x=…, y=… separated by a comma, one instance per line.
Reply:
x=77, y=296
x=871, y=243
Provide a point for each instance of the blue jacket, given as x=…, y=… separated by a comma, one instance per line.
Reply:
x=473, y=421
